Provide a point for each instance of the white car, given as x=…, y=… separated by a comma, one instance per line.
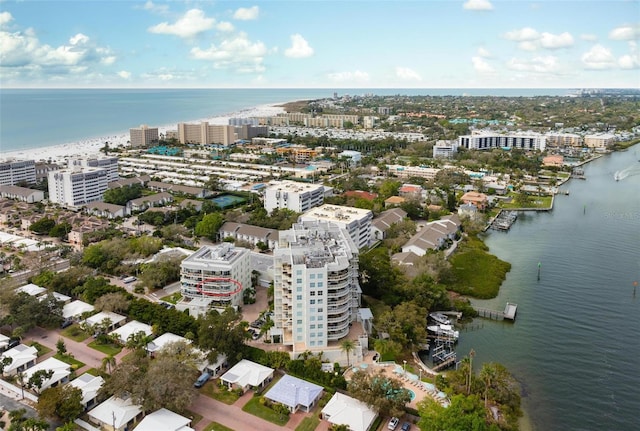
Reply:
x=393, y=423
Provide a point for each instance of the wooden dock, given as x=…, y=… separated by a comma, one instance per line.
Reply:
x=509, y=312
x=449, y=362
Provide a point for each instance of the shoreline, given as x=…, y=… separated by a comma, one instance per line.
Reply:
x=90, y=147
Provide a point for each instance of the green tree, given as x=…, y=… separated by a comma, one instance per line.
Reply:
x=20, y=422
x=209, y=225
x=42, y=226
x=464, y=413
x=406, y=324
x=37, y=379
x=5, y=361
x=61, y=347
x=113, y=302
x=63, y=401
x=385, y=395
x=223, y=332
x=389, y=188
x=108, y=363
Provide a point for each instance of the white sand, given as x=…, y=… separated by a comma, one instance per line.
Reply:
x=90, y=148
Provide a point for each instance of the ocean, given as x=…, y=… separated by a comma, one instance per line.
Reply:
x=574, y=346
x=33, y=118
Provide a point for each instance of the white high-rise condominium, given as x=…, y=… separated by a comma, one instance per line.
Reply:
x=316, y=289
x=292, y=195
x=12, y=173
x=356, y=221
x=77, y=186
x=214, y=277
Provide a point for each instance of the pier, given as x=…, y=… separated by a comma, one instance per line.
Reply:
x=504, y=220
x=509, y=312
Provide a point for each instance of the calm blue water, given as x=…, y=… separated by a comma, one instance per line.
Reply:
x=575, y=345
x=38, y=118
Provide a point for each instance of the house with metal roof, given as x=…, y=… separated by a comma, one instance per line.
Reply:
x=164, y=420
x=344, y=410
x=295, y=393
x=247, y=374
x=89, y=385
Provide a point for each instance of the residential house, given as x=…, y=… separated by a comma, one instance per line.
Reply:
x=103, y=209
x=433, y=236
x=249, y=233
x=475, y=198
x=407, y=258
x=116, y=414
x=164, y=420
x=295, y=393
x=196, y=205
x=89, y=385
x=32, y=290
x=128, y=182
x=158, y=344
x=196, y=192
x=394, y=201
x=247, y=374
x=115, y=320
x=75, y=309
x=23, y=194
x=381, y=224
x=410, y=191
x=344, y=410
x=359, y=194
x=129, y=329
x=141, y=204
x=61, y=371
x=22, y=357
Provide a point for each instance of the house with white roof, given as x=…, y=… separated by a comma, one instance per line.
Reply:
x=57, y=296
x=75, y=309
x=157, y=344
x=89, y=385
x=344, y=410
x=116, y=411
x=31, y=289
x=129, y=329
x=22, y=357
x=247, y=374
x=295, y=393
x=167, y=338
x=164, y=420
x=61, y=372
x=114, y=319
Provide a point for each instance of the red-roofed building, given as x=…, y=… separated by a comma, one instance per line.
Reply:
x=360, y=195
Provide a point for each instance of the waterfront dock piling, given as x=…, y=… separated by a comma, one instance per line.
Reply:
x=509, y=312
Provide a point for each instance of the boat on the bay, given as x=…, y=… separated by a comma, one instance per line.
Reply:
x=444, y=331
x=440, y=318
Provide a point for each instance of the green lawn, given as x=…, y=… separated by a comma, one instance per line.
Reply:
x=212, y=390
x=42, y=350
x=107, y=349
x=476, y=272
x=75, y=364
x=215, y=426
x=255, y=408
x=94, y=372
x=309, y=423
x=173, y=298
x=535, y=202
x=75, y=333
x=195, y=417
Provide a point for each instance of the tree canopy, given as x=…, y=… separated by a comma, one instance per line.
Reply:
x=385, y=395
x=223, y=333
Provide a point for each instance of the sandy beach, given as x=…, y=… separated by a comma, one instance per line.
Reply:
x=90, y=147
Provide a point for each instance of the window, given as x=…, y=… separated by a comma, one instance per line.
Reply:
x=299, y=330
x=312, y=326
x=299, y=289
x=320, y=310
x=312, y=293
x=319, y=301
x=312, y=276
x=299, y=314
x=299, y=272
x=320, y=276
x=299, y=321
x=313, y=334
x=320, y=325
x=299, y=297
x=313, y=318
x=299, y=280
x=312, y=302
x=320, y=284
x=312, y=343
x=313, y=309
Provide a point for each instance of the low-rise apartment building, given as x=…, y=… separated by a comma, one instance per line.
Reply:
x=293, y=195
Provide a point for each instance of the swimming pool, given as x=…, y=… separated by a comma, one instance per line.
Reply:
x=411, y=394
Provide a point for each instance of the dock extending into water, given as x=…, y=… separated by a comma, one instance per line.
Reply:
x=504, y=220
x=509, y=312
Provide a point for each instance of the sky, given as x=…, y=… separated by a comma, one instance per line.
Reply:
x=320, y=44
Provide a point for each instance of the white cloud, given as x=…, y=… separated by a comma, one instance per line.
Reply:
x=481, y=65
x=598, y=57
x=525, y=33
x=483, y=52
x=5, y=18
x=625, y=32
x=589, y=37
x=238, y=53
x=478, y=5
x=124, y=74
x=556, y=41
x=299, y=47
x=631, y=60
x=528, y=45
x=407, y=74
x=79, y=39
x=356, y=76
x=191, y=24
x=109, y=60
x=152, y=7
x=225, y=26
x=246, y=14
x=541, y=64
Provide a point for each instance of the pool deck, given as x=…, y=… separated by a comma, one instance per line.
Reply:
x=409, y=380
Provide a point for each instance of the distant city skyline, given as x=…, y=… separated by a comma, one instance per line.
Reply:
x=320, y=44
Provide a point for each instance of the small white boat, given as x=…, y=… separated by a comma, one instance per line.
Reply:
x=440, y=318
x=444, y=331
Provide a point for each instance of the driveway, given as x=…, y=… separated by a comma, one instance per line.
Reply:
x=229, y=416
x=49, y=337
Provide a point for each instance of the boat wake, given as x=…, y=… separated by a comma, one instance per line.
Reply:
x=630, y=171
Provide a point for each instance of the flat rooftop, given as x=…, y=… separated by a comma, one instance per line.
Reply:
x=336, y=213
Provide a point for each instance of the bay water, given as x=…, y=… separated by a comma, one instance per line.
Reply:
x=575, y=344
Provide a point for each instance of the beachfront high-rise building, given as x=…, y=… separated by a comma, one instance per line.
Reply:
x=109, y=164
x=247, y=132
x=485, y=140
x=356, y=221
x=12, y=173
x=316, y=289
x=143, y=136
x=214, y=277
x=205, y=133
x=77, y=186
x=292, y=195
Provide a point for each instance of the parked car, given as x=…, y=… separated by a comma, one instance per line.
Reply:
x=66, y=323
x=13, y=342
x=204, y=378
x=406, y=426
x=393, y=423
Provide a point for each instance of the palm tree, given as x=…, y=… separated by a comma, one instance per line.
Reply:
x=347, y=346
x=472, y=353
x=488, y=374
x=108, y=363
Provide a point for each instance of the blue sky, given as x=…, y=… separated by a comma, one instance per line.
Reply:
x=321, y=43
